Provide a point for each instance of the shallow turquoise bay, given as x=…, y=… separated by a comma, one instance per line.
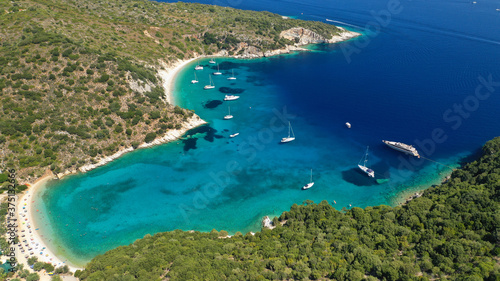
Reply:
x=397, y=87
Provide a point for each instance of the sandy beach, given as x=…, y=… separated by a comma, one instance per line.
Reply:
x=168, y=75
x=32, y=239
x=27, y=227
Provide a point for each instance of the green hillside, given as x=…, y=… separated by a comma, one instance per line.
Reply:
x=451, y=232
x=79, y=79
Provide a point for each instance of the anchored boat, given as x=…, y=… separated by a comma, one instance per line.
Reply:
x=399, y=146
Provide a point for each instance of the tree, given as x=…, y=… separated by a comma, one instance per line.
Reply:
x=56, y=278
x=32, y=260
x=33, y=277
x=150, y=137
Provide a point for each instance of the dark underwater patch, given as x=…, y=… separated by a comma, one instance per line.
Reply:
x=227, y=90
x=212, y=104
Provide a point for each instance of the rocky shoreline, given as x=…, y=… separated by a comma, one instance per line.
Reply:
x=300, y=35
x=169, y=136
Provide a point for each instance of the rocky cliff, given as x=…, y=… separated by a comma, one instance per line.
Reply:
x=303, y=36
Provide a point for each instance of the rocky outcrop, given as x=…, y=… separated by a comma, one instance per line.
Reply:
x=171, y=135
x=253, y=52
x=267, y=223
x=343, y=35
x=303, y=36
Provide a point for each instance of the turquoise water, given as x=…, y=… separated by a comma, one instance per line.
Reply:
x=398, y=87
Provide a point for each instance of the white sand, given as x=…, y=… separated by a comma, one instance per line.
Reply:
x=34, y=237
x=168, y=76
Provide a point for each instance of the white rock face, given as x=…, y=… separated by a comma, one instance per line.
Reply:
x=306, y=36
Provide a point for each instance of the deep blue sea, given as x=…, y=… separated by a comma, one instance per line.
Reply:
x=425, y=73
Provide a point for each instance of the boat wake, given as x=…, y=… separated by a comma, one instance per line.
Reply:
x=345, y=23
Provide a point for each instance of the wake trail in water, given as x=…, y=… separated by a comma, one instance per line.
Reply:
x=345, y=23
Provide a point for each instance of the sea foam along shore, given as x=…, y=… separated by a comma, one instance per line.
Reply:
x=28, y=228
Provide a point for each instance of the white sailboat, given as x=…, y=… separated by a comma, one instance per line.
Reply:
x=218, y=72
x=228, y=116
x=232, y=76
x=212, y=61
x=231, y=97
x=291, y=135
x=211, y=86
x=364, y=168
x=198, y=66
x=195, y=80
x=234, y=135
x=310, y=184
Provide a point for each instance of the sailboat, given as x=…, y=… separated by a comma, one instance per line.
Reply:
x=198, y=66
x=218, y=72
x=228, y=116
x=232, y=77
x=211, y=86
x=310, y=184
x=291, y=135
x=195, y=80
x=212, y=61
x=364, y=168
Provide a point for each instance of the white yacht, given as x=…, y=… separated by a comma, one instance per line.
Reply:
x=228, y=116
x=399, y=146
x=291, y=135
x=231, y=97
x=310, y=184
x=234, y=135
x=212, y=61
x=364, y=168
x=232, y=76
x=211, y=85
x=198, y=66
x=218, y=72
x=195, y=80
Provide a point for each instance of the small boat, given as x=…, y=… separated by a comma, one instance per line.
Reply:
x=218, y=72
x=364, y=168
x=234, y=135
x=211, y=86
x=291, y=135
x=310, y=184
x=212, y=61
x=228, y=116
x=198, y=67
x=231, y=97
x=348, y=125
x=399, y=146
x=232, y=76
x=195, y=80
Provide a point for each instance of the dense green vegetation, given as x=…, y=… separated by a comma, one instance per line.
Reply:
x=79, y=80
x=451, y=232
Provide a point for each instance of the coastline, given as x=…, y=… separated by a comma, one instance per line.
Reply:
x=168, y=73
x=28, y=227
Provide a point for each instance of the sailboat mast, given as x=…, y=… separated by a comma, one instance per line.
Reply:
x=366, y=155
